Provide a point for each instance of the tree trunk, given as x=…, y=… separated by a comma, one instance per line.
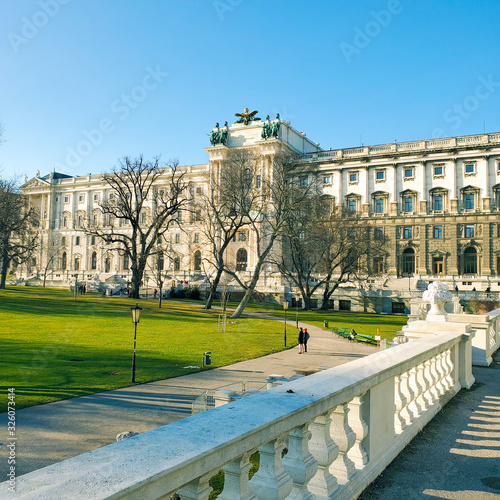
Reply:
x=136, y=283
x=5, y=266
x=213, y=289
x=161, y=288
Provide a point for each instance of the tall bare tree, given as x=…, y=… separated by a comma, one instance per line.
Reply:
x=226, y=208
x=324, y=248
x=17, y=219
x=146, y=200
x=288, y=183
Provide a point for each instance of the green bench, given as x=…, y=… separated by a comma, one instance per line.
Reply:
x=366, y=339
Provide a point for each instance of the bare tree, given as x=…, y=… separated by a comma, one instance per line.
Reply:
x=51, y=254
x=226, y=208
x=287, y=185
x=17, y=240
x=146, y=200
x=324, y=248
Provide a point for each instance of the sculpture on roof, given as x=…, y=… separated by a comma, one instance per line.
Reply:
x=246, y=117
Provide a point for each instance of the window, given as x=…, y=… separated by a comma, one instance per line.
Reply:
x=177, y=238
x=438, y=170
x=469, y=201
x=65, y=222
x=93, y=261
x=196, y=237
x=407, y=232
x=63, y=240
x=64, y=261
x=408, y=173
x=241, y=260
x=379, y=206
x=92, y=240
x=303, y=181
x=470, y=168
x=81, y=198
x=143, y=218
x=77, y=263
x=398, y=308
x=126, y=261
x=438, y=202
x=80, y=220
x=327, y=179
x=107, y=265
x=353, y=177
x=498, y=230
x=438, y=265
x=199, y=190
x=161, y=261
x=77, y=240
x=408, y=261
x=470, y=261
x=380, y=175
x=378, y=233
x=258, y=181
x=408, y=204
x=352, y=205
x=344, y=305
x=438, y=231
x=197, y=260
x=242, y=236
x=177, y=264
x=179, y=217
x=96, y=197
x=95, y=220
x=378, y=265
x=469, y=231
x=66, y=199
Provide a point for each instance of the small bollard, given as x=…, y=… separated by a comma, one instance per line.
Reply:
x=207, y=358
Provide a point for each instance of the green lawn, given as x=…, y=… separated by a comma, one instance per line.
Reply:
x=55, y=348
x=363, y=323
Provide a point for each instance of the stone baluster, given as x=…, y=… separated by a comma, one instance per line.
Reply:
x=422, y=399
x=400, y=420
x=358, y=453
x=449, y=369
x=300, y=465
x=413, y=383
x=343, y=436
x=271, y=482
x=429, y=376
x=236, y=482
x=440, y=375
x=199, y=489
x=325, y=451
x=408, y=392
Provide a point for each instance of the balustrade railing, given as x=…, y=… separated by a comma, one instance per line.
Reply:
x=324, y=436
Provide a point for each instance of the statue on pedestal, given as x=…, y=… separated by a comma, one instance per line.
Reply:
x=437, y=295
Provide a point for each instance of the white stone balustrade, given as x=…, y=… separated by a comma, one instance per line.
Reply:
x=377, y=405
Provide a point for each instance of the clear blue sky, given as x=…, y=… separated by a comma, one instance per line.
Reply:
x=371, y=71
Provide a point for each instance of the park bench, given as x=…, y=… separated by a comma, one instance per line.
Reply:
x=366, y=339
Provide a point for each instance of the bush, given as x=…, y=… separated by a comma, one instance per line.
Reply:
x=192, y=292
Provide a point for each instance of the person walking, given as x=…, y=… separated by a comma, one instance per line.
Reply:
x=306, y=338
x=301, y=341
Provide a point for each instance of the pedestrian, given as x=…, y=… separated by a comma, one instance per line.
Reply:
x=155, y=293
x=352, y=335
x=306, y=338
x=301, y=341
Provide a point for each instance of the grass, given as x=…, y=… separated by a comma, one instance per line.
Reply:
x=56, y=348
x=364, y=323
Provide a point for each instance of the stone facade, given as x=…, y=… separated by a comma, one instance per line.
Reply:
x=437, y=201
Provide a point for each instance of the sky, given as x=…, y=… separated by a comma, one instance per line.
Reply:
x=84, y=83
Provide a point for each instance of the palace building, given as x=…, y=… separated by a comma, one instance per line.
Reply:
x=437, y=201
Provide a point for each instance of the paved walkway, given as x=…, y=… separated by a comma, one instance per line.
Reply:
x=57, y=431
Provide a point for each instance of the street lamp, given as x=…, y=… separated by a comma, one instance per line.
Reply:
x=285, y=307
x=136, y=316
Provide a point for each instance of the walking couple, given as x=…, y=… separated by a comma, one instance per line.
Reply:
x=303, y=338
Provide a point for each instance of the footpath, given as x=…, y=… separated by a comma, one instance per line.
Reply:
x=54, y=432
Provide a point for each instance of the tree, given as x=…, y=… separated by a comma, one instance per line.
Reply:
x=225, y=209
x=324, y=248
x=144, y=202
x=284, y=189
x=51, y=253
x=17, y=241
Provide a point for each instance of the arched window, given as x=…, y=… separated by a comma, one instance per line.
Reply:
x=64, y=261
x=93, y=261
x=409, y=261
x=107, y=265
x=161, y=262
x=241, y=260
x=197, y=260
x=177, y=264
x=470, y=261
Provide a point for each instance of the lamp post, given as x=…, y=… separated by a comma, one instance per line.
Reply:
x=136, y=315
x=297, y=312
x=285, y=307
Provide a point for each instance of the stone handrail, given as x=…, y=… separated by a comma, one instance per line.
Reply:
x=341, y=428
